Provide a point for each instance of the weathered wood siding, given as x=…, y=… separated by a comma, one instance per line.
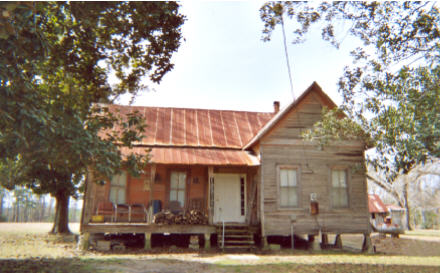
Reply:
x=284, y=146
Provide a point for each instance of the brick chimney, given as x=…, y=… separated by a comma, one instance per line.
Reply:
x=276, y=106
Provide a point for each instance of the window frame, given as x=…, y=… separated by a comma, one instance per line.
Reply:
x=118, y=188
x=347, y=188
x=298, y=186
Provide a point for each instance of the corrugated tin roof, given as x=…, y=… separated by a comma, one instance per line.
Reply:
x=197, y=127
x=199, y=156
x=375, y=204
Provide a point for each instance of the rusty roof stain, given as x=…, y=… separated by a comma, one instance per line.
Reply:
x=182, y=127
x=194, y=156
x=375, y=204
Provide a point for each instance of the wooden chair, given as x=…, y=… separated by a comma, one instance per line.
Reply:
x=138, y=210
x=122, y=209
x=197, y=204
x=106, y=208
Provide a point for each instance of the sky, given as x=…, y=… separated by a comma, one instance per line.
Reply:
x=224, y=64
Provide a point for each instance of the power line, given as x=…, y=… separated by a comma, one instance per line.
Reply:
x=287, y=57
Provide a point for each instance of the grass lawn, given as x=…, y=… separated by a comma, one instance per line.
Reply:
x=28, y=248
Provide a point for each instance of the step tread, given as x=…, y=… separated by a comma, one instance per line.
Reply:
x=238, y=242
x=236, y=235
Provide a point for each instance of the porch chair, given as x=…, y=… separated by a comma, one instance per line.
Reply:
x=138, y=210
x=197, y=204
x=122, y=209
x=106, y=208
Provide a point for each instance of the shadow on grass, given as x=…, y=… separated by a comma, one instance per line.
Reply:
x=49, y=265
x=113, y=265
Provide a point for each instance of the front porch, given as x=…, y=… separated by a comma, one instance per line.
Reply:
x=173, y=199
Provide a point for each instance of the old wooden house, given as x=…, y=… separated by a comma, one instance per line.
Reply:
x=250, y=174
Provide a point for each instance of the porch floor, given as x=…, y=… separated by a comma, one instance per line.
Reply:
x=128, y=227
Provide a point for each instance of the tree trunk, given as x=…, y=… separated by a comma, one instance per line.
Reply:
x=405, y=202
x=61, y=220
x=1, y=204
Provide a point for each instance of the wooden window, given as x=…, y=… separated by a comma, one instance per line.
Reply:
x=288, y=187
x=118, y=185
x=339, y=190
x=177, y=187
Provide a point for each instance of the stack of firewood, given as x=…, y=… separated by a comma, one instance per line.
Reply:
x=192, y=217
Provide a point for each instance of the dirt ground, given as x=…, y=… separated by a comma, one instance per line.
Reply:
x=28, y=248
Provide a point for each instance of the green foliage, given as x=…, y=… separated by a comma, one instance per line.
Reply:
x=392, y=87
x=335, y=126
x=55, y=62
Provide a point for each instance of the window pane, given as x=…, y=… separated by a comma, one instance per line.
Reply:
x=121, y=196
x=182, y=180
x=174, y=180
x=112, y=195
x=284, y=197
x=119, y=179
x=173, y=195
x=342, y=178
x=181, y=197
x=335, y=198
x=293, y=197
x=335, y=179
x=292, y=177
x=343, y=197
x=284, y=178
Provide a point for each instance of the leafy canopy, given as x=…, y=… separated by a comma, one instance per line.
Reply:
x=392, y=88
x=55, y=62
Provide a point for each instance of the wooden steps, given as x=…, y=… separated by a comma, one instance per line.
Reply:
x=237, y=237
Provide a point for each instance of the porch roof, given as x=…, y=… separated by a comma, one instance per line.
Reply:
x=195, y=156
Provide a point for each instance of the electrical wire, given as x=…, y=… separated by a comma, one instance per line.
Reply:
x=287, y=56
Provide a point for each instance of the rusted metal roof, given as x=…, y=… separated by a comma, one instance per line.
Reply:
x=195, y=156
x=375, y=204
x=197, y=127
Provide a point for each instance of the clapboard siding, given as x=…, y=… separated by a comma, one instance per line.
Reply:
x=283, y=145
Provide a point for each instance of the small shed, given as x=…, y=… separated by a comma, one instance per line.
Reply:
x=396, y=214
x=378, y=210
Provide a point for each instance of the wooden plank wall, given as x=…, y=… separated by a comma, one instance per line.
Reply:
x=284, y=146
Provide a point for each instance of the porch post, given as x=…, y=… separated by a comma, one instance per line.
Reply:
x=338, y=241
x=210, y=196
x=152, y=177
x=207, y=240
x=147, y=243
x=324, y=239
x=367, y=246
x=83, y=243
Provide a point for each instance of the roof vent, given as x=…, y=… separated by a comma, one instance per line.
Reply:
x=276, y=106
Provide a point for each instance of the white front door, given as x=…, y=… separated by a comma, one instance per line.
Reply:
x=229, y=198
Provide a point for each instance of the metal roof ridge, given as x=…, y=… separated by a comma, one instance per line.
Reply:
x=183, y=108
x=183, y=146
